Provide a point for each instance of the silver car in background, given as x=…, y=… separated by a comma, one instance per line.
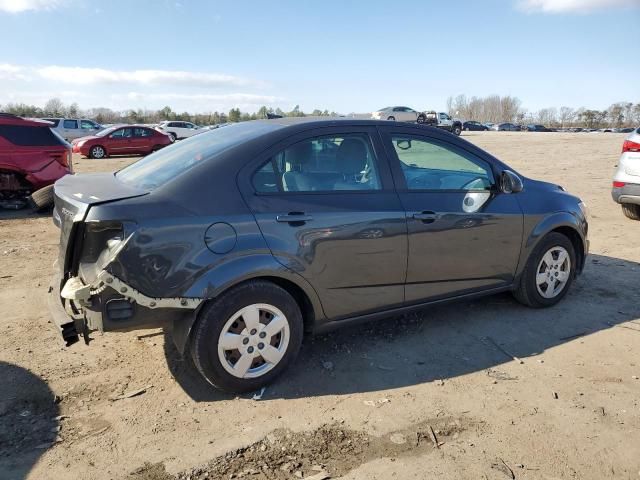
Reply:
x=626, y=180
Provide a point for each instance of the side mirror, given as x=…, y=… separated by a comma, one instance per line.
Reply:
x=510, y=182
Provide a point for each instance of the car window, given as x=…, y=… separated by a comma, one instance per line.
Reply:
x=321, y=164
x=87, y=125
x=142, y=132
x=70, y=124
x=167, y=164
x=432, y=165
x=122, y=133
x=30, y=136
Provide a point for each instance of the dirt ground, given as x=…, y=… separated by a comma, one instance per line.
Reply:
x=422, y=396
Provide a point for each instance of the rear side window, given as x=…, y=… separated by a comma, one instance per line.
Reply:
x=142, y=132
x=55, y=121
x=70, y=124
x=30, y=136
x=87, y=125
x=321, y=164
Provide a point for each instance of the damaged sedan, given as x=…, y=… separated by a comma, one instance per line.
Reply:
x=241, y=240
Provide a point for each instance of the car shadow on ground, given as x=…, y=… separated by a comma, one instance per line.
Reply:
x=447, y=341
x=28, y=420
x=23, y=213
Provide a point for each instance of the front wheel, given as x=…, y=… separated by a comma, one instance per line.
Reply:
x=548, y=273
x=247, y=337
x=391, y=119
x=421, y=119
x=98, y=152
x=631, y=211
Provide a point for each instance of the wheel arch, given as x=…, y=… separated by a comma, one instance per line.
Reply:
x=302, y=292
x=564, y=223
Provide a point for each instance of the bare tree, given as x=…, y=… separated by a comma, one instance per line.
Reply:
x=54, y=108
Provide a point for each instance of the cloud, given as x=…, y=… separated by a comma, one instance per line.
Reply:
x=93, y=76
x=573, y=6
x=12, y=72
x=18, y=6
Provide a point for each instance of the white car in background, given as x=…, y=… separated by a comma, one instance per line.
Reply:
x=398, y=114
x=626, y=180
x=178, y=130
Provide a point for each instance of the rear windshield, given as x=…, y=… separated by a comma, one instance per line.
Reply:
x=164, y=165
x=27, y=136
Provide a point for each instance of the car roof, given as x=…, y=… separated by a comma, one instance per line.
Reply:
x=11, y=119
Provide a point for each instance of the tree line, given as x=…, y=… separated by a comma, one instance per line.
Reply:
x=497, y=109
x=56, y=108
x=492, y=108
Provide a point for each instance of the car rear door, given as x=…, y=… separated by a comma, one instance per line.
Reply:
x=325, y=203
x=141, y=140
x=120, y=141
x=463, y=235
x=70, y=129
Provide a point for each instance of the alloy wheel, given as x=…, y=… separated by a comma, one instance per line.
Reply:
x=253, y=341
x=97, y=152
x=553, y=272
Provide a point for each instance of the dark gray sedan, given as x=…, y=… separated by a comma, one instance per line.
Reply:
x=241, y=239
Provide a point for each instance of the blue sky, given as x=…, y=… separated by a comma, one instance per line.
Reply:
x=346, y=56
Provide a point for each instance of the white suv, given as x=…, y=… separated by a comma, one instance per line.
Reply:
x=626, y=180
x=178, y=130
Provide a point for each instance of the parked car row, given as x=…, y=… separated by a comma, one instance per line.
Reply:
x=432, y=118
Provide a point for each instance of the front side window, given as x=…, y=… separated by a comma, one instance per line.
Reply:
x=70, y=124
x=122, y=133
x=431, y=165
x=320, y=164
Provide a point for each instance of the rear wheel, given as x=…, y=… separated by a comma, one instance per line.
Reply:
x=548, y=273
x=173, y=136
x=456, y=130
x=97, y=151
x=421, y=119
x=631, y=211
x=247, y=336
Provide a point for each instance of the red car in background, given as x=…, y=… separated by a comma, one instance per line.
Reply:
x=32, y=156
x=121, y=140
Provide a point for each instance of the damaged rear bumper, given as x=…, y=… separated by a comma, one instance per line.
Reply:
x=109, y=304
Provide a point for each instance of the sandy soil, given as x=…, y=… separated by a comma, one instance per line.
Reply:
x=364, y=402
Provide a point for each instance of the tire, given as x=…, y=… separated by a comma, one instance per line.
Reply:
x=42, y=199
x=391, y=119
x=456, y=130
x=97, y=152
x=466, y=129
x=631, y=211
x=224, y=314
x=173, y=137
x=421, y=119
x=528, y=291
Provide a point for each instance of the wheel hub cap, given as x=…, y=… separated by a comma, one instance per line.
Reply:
x=553, y=272
x=253, y=341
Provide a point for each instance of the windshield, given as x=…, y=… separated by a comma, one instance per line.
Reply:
x=106, y=132
x=170, y=162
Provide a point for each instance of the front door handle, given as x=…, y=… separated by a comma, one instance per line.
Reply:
x=426, y=217
x=294, y=217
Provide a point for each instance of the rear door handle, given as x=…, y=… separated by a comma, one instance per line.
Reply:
x=294, y=217
x=426, y=217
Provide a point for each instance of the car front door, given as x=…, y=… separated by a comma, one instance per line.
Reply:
x=120, y=141
x=464, y=235
x=325, y=203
